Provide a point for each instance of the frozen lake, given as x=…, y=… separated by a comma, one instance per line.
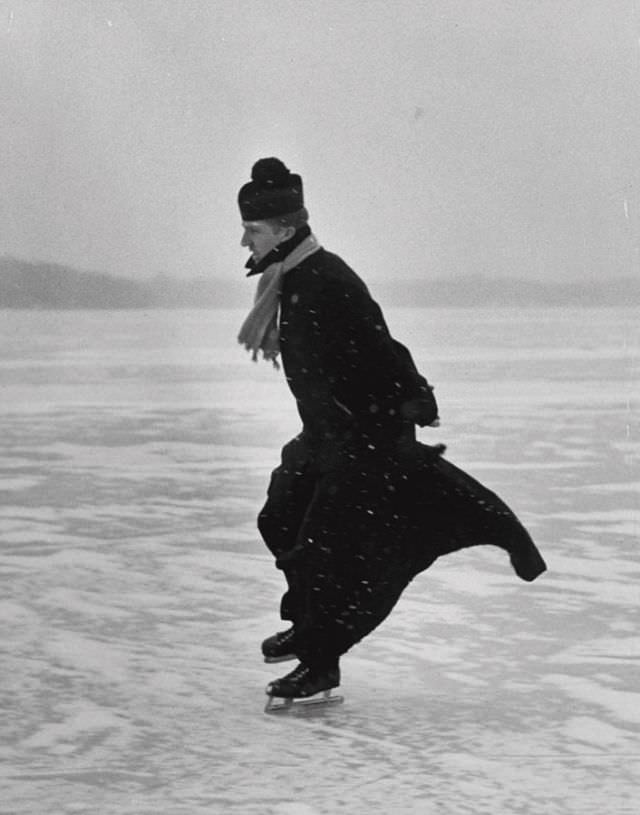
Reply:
x=136, y=450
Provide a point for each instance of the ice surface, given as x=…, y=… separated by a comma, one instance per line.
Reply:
x=135, y=455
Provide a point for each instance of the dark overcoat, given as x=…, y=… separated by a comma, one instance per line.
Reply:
x=358, y=507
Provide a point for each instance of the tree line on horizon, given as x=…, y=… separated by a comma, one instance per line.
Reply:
x=29, y=285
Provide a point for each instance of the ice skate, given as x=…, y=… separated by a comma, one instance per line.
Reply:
x=279, y=647
x=303, y=686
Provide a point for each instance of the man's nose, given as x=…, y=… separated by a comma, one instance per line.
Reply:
x=244, y=241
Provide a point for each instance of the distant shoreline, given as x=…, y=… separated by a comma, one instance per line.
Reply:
x=32, y=286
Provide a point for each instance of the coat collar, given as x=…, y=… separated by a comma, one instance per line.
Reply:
x=279, y=253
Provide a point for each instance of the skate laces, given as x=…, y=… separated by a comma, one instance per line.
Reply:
x=300, y=672
x=285, y=636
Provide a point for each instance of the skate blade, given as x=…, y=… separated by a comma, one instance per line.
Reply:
x=278, y=704
x=285, y=658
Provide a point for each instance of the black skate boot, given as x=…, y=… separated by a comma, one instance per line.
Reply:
x=279, y=647
x=301, y=686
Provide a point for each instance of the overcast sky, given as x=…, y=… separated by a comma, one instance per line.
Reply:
x=434, y=137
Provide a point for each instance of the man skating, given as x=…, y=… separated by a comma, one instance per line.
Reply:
x=357, y=507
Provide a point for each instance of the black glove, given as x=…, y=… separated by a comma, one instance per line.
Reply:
x=422, y=411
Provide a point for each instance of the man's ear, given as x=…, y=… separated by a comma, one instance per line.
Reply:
x=287, y=233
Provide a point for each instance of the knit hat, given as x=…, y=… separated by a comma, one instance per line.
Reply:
x=272, y=191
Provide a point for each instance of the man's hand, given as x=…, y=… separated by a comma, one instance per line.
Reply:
x=421, y=412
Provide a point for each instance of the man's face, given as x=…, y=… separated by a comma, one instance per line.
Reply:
x=260, y=237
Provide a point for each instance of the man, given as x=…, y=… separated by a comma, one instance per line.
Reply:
x=357, y=507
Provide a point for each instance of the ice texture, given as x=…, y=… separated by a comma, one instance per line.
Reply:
x=135, y=454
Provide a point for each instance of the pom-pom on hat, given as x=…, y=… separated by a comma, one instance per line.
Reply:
x=272, y=191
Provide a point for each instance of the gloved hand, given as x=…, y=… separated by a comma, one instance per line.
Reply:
x=422, y=411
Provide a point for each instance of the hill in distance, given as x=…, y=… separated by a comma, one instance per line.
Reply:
x=28, y=285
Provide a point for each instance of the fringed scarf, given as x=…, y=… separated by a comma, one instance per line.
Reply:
x=260, y=330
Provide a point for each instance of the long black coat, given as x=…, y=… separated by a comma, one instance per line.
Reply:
x=352, y=381
x=357, y=507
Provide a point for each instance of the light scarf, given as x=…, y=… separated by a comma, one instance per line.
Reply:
x=260, y=330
